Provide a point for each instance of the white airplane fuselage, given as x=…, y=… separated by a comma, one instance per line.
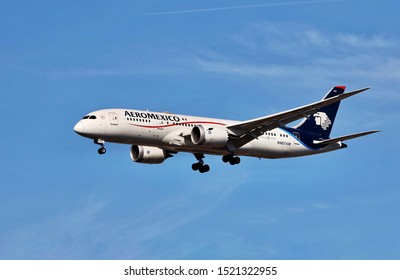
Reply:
x=156, y=136
x=172, y=132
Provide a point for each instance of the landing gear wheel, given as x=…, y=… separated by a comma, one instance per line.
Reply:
x=231, y=159
x=100, y=142
x=200, y=166
x=235, y=160
x=204, y=168
x=102, y=151
x=226, y=158
x=196, y=166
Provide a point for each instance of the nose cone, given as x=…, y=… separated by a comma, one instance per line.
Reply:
x=78, y=128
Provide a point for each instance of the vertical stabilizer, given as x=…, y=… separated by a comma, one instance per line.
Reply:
x=321, y=122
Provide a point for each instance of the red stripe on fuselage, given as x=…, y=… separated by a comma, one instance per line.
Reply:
x=175, y=124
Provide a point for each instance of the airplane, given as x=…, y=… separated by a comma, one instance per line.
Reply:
x=156, y=136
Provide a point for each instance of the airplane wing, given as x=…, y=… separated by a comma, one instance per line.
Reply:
x=343, y=138
x=244, y=132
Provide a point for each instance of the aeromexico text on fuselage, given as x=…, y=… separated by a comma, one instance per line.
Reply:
x=153, y=116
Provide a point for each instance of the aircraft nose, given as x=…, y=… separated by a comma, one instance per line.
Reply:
x=78, y=128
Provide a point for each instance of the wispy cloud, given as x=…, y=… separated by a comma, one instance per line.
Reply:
x=323, y=205
x=68, y=234
x=311, y=206
x=273, y=50
x=177, y=212
x=130, y=61
x=286, y=38
x=238, y=7
x=167, y=217
x=287, y=50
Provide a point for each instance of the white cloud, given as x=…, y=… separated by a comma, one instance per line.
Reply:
x=245, y=69
x=323, y=205
x=296, y=51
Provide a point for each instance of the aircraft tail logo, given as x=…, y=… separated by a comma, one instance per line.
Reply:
x=322, y=119
x=320, y=123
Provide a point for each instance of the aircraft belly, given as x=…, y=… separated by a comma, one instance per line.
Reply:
x=273, y=148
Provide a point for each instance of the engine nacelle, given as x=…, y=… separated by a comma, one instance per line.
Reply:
x=209, y=137
x=150, y=155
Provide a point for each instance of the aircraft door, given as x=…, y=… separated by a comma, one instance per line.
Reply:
x=113, y=118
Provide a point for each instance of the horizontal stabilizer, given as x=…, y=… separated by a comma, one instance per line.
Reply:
x=343, y=138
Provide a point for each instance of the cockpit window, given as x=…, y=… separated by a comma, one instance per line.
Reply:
x=91, y=117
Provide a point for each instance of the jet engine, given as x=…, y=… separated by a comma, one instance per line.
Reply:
x=209, y=137
x=150, y=155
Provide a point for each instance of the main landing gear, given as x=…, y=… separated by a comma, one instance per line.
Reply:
x=200, y=166
x=231, y=159
x=101, y=150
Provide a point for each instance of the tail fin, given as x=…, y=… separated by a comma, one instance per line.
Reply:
x=321, y=122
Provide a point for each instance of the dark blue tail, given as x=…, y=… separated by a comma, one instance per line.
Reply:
x=321, y=122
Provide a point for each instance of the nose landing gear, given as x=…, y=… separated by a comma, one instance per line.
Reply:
x=101, y=150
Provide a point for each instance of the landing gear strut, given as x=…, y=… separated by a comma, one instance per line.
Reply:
x=231, y=159
x=200, y=166
x=101, y=150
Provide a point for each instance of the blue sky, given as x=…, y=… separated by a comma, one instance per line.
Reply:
x=60, y=60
